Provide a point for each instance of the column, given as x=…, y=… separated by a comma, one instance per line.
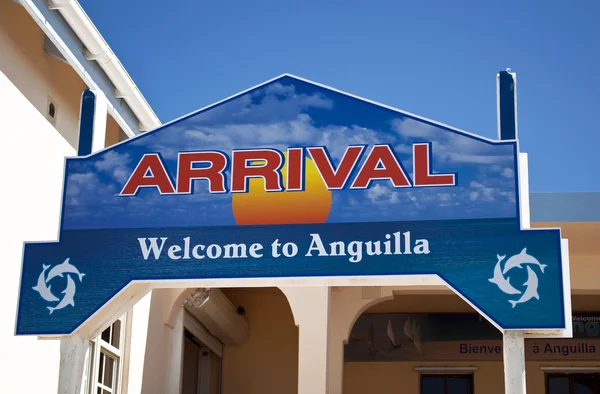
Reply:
x=514, y=362
x=73, y=349
x=72, y=361
x=161, y=371
x=100, y=114
x=310, y=307
x=176, y=359
x=137, y=348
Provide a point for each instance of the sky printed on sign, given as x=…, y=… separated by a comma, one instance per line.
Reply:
x=289, y=112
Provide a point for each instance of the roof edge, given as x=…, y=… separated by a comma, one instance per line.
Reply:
x=97, y=49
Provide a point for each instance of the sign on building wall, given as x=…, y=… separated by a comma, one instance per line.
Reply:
x=295, y=180
x=456, y=337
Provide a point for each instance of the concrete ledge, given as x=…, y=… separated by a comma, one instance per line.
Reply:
x=565, y=207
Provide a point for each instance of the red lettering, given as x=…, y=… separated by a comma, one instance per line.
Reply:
x=269, y=163
x=390, y=169
x=158, y=177
x=214, y=173
x=422, y=169
x=335, y=178
x=295, y=169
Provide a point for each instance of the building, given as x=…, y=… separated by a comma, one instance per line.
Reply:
x=244, y=335
x=50, y=52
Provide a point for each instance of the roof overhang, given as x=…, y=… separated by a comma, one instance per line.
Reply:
x=76, y=38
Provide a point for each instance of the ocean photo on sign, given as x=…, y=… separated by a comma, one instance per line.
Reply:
x=282, y=114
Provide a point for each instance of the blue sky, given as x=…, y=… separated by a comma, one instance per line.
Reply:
x=291, y=113
x=436, y=59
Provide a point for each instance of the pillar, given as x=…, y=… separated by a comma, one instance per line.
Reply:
x=73, y=349
x=100, y=115
x=161, y=372
x=310, y=307
x=176, y=359
x=514, y=362
x=72, y=361
x=137, y=349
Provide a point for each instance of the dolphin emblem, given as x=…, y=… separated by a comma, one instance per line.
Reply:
x=522, y=258
x=531, y=291
x=69, y=293
x=499, y=279
x=64, y=268
x=41, y=288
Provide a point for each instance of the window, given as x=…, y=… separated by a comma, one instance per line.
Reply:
x=573, y=383
x=104, y=363
x=447, y=384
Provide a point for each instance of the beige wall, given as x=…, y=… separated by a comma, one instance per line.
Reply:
x=267, y=363
x=584, y=254
x=113, y=132
x=400, y=378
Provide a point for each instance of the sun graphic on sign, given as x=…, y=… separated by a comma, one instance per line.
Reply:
x=311, y=205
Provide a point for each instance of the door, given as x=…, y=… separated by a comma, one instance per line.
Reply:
x=201, y=368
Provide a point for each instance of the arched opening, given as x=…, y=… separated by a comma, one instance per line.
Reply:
x=435, y=343
x=231, y=340
x=416, y=341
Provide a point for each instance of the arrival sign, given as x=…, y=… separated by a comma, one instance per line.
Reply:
x=291, y=179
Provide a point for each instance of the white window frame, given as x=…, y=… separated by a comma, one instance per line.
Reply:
x=98, y=346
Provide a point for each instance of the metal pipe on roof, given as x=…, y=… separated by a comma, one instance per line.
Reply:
x=98, y=50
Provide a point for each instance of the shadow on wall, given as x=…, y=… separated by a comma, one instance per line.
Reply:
x=267, y=363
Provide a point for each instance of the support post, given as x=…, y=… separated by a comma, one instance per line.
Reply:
x=176, y=360
x=92, y=134
x=72, y=361
x=513, y=341
x=92, y=122
x=514, y=362
x=310, y=307
x=137, y=353
x=507, y=105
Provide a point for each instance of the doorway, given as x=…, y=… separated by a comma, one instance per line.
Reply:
x=201, y=372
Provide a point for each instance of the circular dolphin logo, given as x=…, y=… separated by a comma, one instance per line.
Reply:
x=502, y=280
x=45, y=290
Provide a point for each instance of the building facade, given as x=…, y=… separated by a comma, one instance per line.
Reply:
x=394, y=336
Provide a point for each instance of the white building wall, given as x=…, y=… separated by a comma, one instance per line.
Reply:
x=36, y=74
x=32, y=156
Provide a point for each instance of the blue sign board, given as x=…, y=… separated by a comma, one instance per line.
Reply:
x=291, y=179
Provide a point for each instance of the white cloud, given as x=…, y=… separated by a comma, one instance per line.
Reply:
x=449, y=146
x=510, y=196
x=409, y=127
x=508, y=173
x=446, y=196
x=487, y=193
x=279, y=89
x=382, y=194
x=115, y=164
